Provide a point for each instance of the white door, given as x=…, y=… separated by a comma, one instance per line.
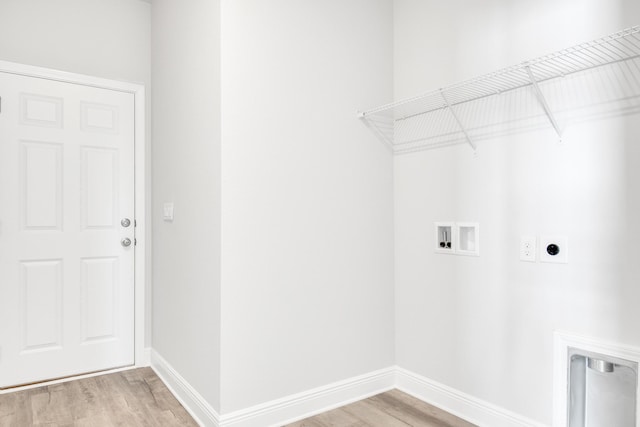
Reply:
x=66, y=272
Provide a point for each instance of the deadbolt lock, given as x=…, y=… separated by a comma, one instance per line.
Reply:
x=125, y=222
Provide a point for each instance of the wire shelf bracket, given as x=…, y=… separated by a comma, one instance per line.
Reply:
x=543, y=102
x=596, y=78
x=457, y=119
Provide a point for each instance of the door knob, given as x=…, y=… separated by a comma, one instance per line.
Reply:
x=125, y=222
x=125, y=242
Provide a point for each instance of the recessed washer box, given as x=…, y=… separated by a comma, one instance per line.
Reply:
x=458, y=238
x=445, y=239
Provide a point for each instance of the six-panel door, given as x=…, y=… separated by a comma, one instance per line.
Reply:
x=66, y=183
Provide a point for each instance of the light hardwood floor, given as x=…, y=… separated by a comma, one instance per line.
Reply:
x=133, y=398
x=137, y=398
x=391, y=409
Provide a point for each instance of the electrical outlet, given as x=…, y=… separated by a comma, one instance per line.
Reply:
x=528, y=248
x=554, y=249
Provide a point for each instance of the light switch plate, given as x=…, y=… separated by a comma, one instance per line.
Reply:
x=167, y=211
x=562, y=245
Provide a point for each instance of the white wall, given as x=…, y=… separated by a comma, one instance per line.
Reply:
x=484, y=325
x=186, y=156
x=103, y=38
x=307, y=267
x=303, y=198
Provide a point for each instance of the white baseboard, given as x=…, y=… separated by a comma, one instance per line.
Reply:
x=460, y=404
x=312, y=402
x=193, y=402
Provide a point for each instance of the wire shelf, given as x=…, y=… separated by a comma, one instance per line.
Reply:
x=594, y=79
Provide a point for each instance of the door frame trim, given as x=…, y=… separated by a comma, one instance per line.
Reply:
x=140, y=184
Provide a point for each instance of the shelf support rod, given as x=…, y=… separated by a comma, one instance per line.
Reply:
x=543, y=101
x=457, y=119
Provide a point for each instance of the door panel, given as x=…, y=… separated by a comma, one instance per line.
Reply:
x=99, y=187
x=39, y=110
x=41, y=185
x=99, y=298
x=66, y=181
x=41, y=304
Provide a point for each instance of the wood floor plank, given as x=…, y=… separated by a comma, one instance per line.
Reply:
x=138, y=398
x=132, y=398
x=8, y=410
x=416, y=412
x=391, y=409
x=336, y=418
x=101, y=420
x=23, y=416
x=372, y=414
